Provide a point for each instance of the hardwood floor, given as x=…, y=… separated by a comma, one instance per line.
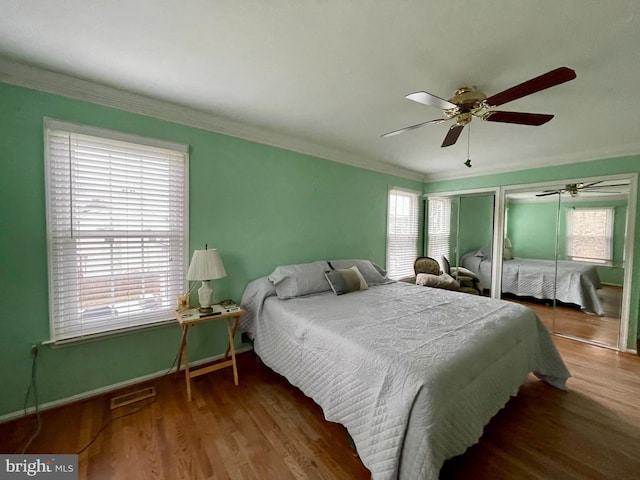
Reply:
x=571, y=321
x=267, y=429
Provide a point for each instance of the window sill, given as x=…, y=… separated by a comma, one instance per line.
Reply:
x=68, y=342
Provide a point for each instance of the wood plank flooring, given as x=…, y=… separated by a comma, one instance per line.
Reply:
x=571, y=321
x=267, y=429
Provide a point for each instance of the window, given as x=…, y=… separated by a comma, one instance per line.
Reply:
x=402, y=232
x=117, y=229
x=439, y=228
x=589, y=234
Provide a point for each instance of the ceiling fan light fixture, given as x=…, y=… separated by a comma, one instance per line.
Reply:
x=469, y=102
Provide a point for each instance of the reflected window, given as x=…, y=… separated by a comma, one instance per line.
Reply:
x=590, y=234
x=439, y=228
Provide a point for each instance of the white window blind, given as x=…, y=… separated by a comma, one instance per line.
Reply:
x=117, y=229
x=590, y=234
x=438, y=228
x=402, y=232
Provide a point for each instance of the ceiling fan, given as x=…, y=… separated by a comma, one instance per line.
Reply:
x=574, y=188
x=469, y=102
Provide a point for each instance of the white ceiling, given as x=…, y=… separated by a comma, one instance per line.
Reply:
x=330, y=76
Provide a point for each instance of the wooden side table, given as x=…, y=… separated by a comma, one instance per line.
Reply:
x=231, y=319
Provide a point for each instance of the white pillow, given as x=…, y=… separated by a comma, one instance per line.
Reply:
x=443, y=280
x=300, y=279
x=371, y=275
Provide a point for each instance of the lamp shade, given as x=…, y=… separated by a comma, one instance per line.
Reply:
x=507, y=242
x=206, y=265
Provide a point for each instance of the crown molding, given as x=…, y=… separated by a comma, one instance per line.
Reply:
x=554, y=161
x=23, y=75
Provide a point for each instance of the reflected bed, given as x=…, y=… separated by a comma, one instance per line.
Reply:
x=527, y=277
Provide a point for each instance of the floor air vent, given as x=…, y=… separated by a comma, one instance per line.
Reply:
x=133, y=397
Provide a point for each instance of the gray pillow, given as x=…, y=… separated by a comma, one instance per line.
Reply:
x=380, y=270
x=484, y=252
x=368, y=271
x=301, y=279
x=346, y=280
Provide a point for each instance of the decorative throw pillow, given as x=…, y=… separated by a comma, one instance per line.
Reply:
x=346, y=280
x=301, y=279
x=443, y=281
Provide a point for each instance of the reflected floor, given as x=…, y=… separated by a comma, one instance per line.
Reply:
x=570, y=320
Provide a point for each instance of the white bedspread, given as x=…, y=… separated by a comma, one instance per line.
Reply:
x=413, y=373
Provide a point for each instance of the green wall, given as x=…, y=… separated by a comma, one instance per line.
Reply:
x=476, y=223
x=260, y=206
x=532, y=231
x=471, y=225
x=578, y=170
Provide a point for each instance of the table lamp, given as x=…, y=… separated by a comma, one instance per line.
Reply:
x=205, y=265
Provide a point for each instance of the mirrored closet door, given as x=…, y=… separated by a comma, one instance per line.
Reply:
x=460, y=227
x=530, y=250
x=592, y=221
x=474, y=240
x=564, y=256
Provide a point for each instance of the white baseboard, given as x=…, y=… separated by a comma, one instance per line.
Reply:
x=109, y=388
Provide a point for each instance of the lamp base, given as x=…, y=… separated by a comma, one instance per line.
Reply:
x=204, y=295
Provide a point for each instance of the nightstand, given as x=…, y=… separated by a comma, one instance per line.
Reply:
x=231, y=319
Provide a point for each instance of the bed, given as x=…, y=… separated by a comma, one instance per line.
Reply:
x=527, y=277
x=413, y=373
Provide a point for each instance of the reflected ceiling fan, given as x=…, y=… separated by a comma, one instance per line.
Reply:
x=574, y=189
x=469, y=102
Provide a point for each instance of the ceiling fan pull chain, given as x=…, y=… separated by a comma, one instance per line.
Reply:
x=468, y=162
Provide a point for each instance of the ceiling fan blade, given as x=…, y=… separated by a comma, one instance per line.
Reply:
x=452, y=135
x=412, y=127
x=583, y=186
x=533, y=119
x=593, y=186
x=555, y=192
x=605, y=191
x=542, y=82
x=429, y=99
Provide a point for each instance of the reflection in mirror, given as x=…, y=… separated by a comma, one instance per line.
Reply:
x=474, y=238
x=567, y=245
x=591, y=238
x=459, y=227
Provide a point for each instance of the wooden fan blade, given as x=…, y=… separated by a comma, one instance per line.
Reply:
x=533, y=119
x=594, y=187
x=590, y=184
x=544, y=81
x=555, y=192
x=412, y=127
x=429, y=99
x=452, y=135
